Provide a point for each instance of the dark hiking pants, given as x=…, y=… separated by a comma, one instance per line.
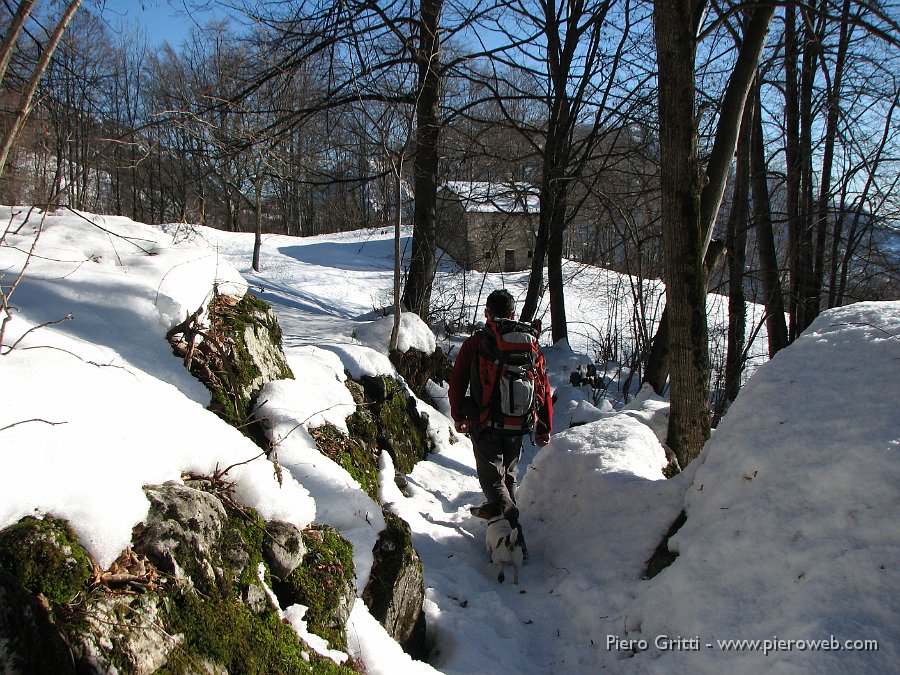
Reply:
x=496, y=458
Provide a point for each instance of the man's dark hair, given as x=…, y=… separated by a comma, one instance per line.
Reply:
x=501, y=304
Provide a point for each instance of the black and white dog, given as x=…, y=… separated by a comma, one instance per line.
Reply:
x=504, y=547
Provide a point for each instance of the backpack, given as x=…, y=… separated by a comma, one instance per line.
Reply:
x=506, y=376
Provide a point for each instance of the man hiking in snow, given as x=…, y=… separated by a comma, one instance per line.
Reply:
x=502, y=369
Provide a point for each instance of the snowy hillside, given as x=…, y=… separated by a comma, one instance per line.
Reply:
x=792, y=538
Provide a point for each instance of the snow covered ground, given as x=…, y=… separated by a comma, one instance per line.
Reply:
x=788, y=561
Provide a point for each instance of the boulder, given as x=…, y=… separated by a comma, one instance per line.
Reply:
x=396, y=588
x=182, y=533
x=44, y=555
x=234, y=355
x=283, y=548
x=324, y=583
x=417, y=368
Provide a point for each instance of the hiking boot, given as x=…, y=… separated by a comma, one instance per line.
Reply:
x=486, y=511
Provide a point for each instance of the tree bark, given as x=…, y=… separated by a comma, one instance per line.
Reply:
x=776, y=328
x=807, y=300
x=792, y=165
x=831, y=124
x=657, y=365
x=417, y=296
x=719, y=164
x=736, y=244
x=257, y=229
x=733, y=104
x=23, y=108
x=682, y=229
x=8, y=44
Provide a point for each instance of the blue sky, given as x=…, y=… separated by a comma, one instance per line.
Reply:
x=163, y=20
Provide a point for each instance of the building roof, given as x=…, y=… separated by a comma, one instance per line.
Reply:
x=485, y=197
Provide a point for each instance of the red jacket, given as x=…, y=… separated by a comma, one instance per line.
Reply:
x=461, y=376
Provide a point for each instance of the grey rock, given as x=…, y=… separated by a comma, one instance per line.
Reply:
x=283, y=548
x=182, y=531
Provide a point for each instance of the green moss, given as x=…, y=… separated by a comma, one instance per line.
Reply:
x=231, y=395
x=222, y=630
x=392, y=551
x=321, y=583
x=400, y=428
x=219, y=627
x=355, y=454
x=46, y=557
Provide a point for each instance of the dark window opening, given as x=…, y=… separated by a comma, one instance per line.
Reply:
x=509, y=260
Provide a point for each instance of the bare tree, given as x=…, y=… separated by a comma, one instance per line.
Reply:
x=24, y=106
x=690, y=208
x=417, y=295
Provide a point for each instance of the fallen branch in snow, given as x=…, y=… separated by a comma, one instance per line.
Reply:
x=868, y=325
x=188, y=330
x=7, y=294
x=130, y=240
x=67, y=317
x=33, y=419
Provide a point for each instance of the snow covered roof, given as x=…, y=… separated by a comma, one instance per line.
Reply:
x=486, y=197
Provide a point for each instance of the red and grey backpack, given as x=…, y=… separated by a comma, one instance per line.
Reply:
x=505, y=377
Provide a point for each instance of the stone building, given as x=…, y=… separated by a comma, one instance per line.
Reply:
x=489, y=227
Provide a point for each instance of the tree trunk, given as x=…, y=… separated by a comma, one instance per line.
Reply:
x=765, y=237
x=398, y=226
x=733, y=104
x=831, y=124
x=23, y=107
x=808, y=301
x=555, y=283
x=682, y=230
x=736, y=244
x=257, y=230
x=656, y=367
x=719, y=165
x=8, y=44
x=792, y=165
x=538, y=256
x=420, y=277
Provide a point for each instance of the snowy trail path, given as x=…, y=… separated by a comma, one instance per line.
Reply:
x=576, y=583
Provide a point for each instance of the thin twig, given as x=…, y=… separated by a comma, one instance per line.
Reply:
x=868, y=325
x=67, y=317
x=34, y=419
x=6, y=295
x=130, y=240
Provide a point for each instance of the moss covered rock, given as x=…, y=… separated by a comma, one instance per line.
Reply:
x=387, y=414
x=234, y=356
x=324, y=583
x=44, y=555
x=29, y=640
x=357, y=454
x=386, y=419
x=120, y=633
x=217, y=611
x=396, y=588
x=402, y=431
x=417, y=368
x=283, y=548
x=183, y=535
